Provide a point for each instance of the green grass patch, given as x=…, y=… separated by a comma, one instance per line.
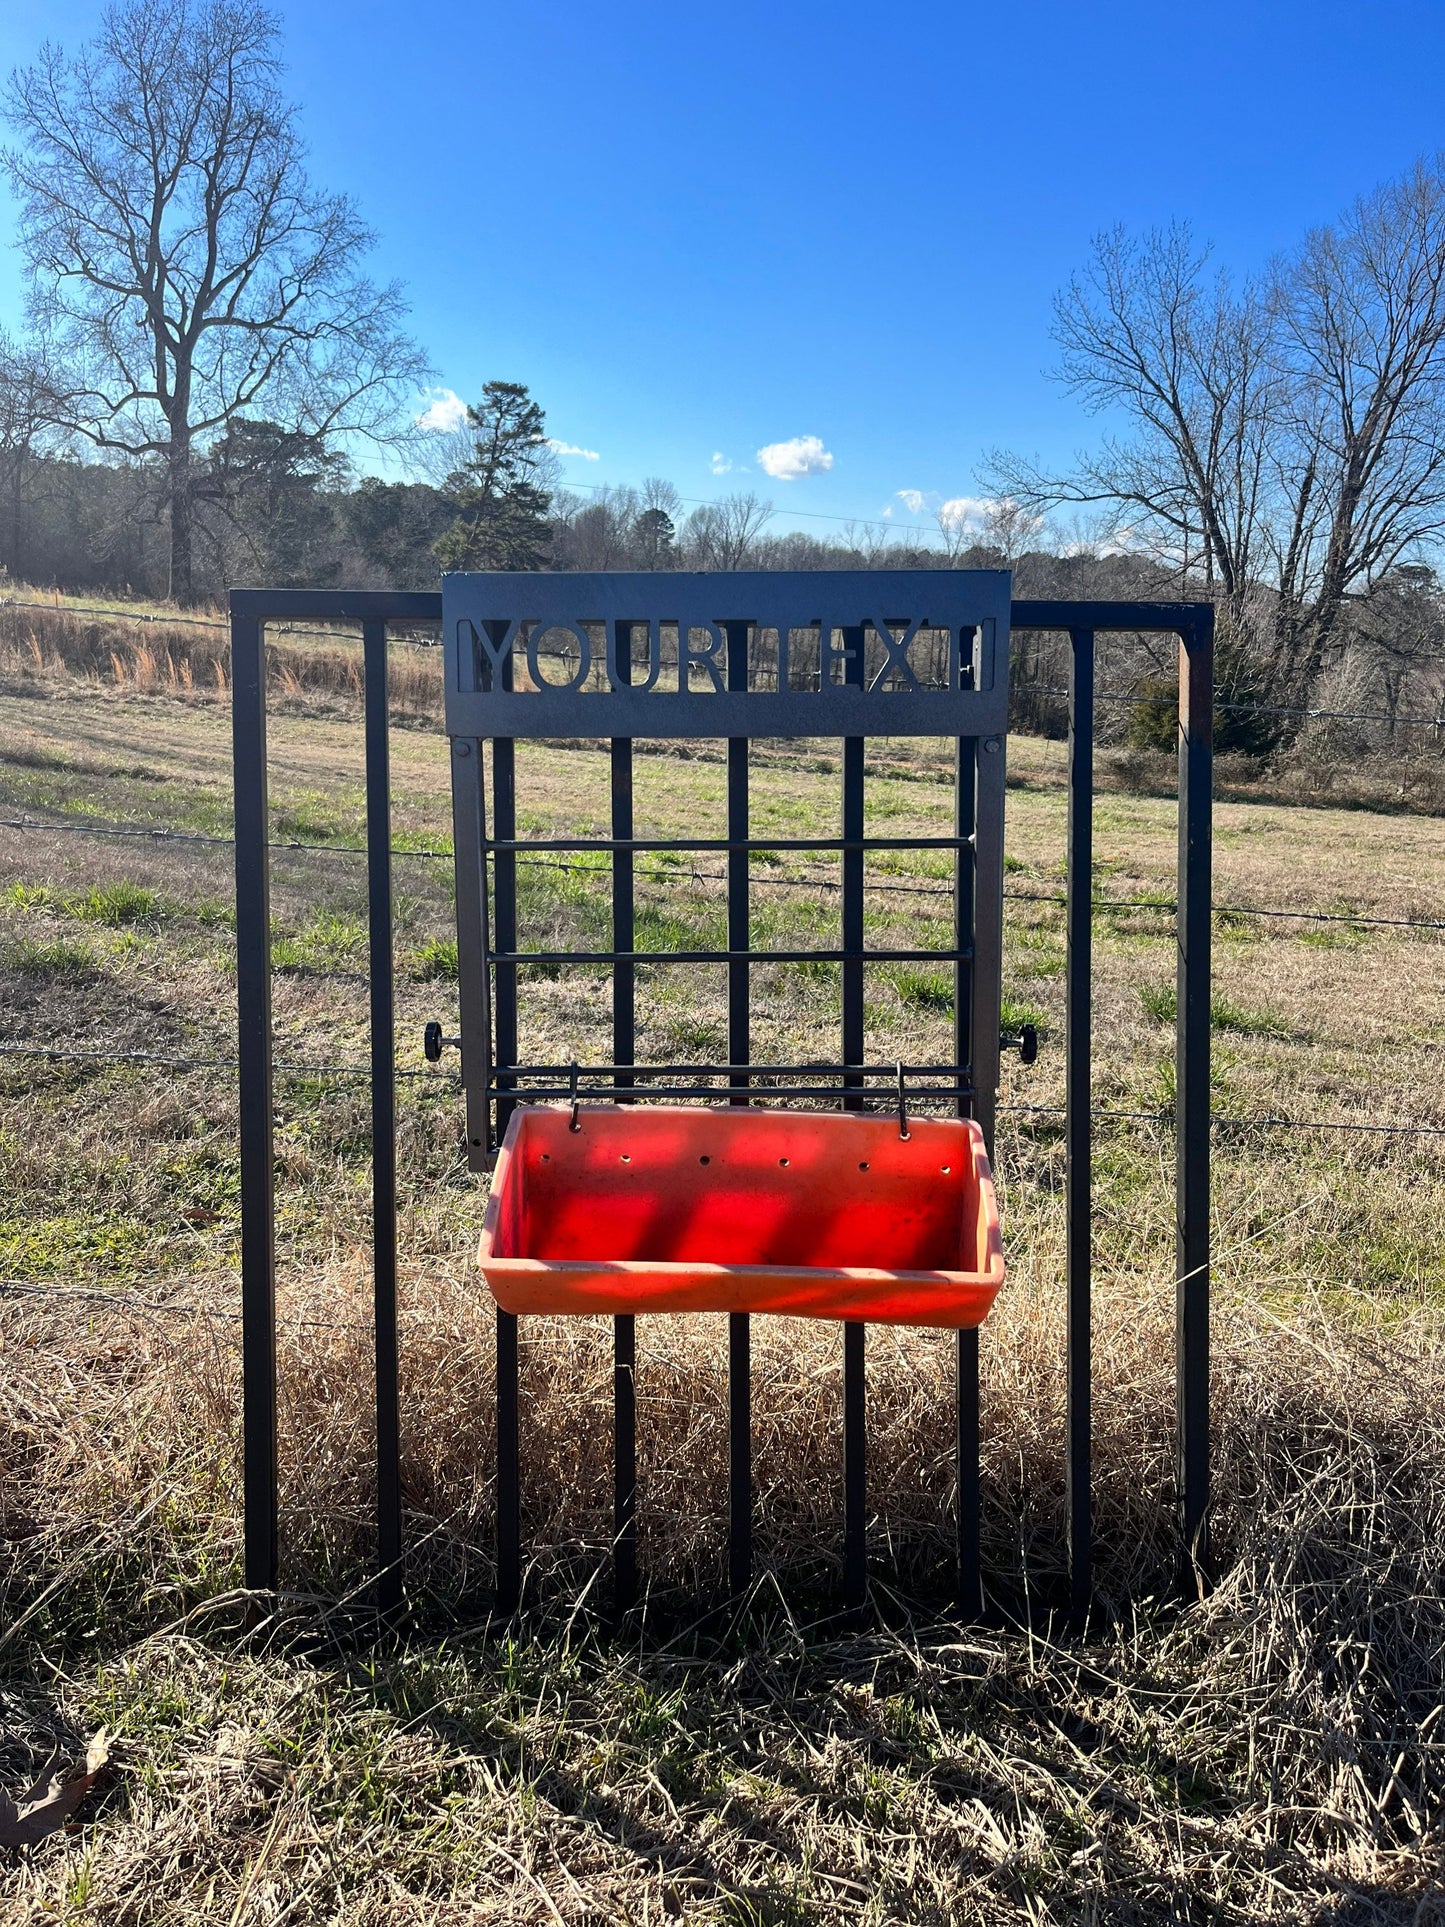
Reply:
x=417, y=840
x=60, y=958
x=1161, y=1003
x=655, y=928
x=923, y=989
x=1015, y=1012
x=1234, y=927
x=1336, y=936
x=117, y=904
x=328, y=943
x=436, y=959
x=65, y=1243
x=1044, y=955
x=26, y=897
x=318, y=816
x=1163, y=1086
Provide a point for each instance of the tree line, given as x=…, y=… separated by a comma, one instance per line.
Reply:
x=1281, y=445
x=209, y=370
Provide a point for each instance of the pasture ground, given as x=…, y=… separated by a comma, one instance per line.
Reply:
x=1270, y=1752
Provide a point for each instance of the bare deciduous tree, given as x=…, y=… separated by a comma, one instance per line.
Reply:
x=1360, y=320
x=1189, y=364
x=189, y=269
x=601, y=533
x=1286, y=442
x=721, y=535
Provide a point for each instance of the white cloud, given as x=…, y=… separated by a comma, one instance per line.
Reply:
x=790, y=461
x=720, y=464
x=571, y=448
x=964, y=510
x=913, y=499
x=444, y=411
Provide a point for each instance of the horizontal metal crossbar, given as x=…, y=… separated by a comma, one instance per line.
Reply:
x=889, y=1071
x=831, y=844
x=554, y=957
x=558, y=1092
x=1190, y=621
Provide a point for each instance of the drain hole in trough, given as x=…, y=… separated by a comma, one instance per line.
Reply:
x=782, y=1160
x=704, y=1160
x=627, y=1159
x=864, y=1165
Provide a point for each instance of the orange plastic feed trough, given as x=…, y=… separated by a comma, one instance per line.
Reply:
x=813, y=1214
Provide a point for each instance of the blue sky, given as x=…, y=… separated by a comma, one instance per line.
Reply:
x=701, y=232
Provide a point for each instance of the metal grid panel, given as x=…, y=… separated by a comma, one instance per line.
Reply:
x=979, y=781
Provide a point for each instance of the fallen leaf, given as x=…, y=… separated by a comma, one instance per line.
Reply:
x=46, y=1806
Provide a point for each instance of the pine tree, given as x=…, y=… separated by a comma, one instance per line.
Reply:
x=501, y=501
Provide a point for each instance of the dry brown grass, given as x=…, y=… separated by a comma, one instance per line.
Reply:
x=186, y=654
x=1270, y=1752
x=1266, y=1753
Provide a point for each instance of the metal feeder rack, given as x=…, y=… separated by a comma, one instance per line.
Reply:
x=735, y=657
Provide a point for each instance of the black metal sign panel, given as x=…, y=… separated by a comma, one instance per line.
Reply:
x=847, y=653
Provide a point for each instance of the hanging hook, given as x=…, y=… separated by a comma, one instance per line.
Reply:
x=903, y=1130
x=574, y=1123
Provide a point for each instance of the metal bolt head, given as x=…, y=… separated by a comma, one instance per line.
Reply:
x=462, y=747
x=992, y=745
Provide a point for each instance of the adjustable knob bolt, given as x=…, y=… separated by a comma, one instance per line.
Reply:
x=433, y=1043
x=1026, y=1043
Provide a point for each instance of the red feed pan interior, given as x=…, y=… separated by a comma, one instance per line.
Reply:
x=816, y=1214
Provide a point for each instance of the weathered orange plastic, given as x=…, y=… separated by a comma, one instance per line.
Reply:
x=814, y=1214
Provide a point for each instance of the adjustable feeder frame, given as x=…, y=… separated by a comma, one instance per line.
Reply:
x=735, y=657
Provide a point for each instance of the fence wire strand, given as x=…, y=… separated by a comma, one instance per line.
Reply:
x=1102, y=905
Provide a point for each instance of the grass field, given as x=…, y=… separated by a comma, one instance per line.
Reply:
x=1270, y=1752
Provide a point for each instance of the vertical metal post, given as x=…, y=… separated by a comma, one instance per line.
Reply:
x=504, y=910
x=740, y=1421
x=509, y=1465
x=504, y=903
x=1078, y=1075
x=855, y=1418
x=1196, y=706
x=253, y=1000
x=474, y=1003
x=970, y=1576
x=624, y=1045
x=984, y=820
x=987, y=930
x=383, y=1116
